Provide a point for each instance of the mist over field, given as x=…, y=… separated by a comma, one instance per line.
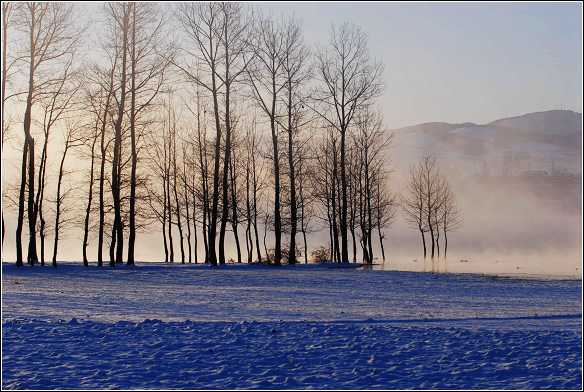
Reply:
x=518, y=181
x=320, y=196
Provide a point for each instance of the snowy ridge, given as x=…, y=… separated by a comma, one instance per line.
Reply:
x=539, y=137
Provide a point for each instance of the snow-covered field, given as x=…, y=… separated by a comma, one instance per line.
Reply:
x=174, y=326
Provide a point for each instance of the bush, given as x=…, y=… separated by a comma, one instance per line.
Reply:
x=320, y=255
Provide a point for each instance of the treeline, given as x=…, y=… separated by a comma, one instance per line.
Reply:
x=206, y=119
x=430, y=206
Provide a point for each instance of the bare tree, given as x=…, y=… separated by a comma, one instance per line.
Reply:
x=203, y=166
x=424, y=200
x=353, y=169
x=157, y=196
x=385, y=207
x=249, y=152
x=50, y=40
x=432, y=188
x=348, y=80
x=304, y=173
x=413, y=203
x=161, y=166
x=120, y=14
x=295, y=57
x=234, y=40
x=72, y=140
x=326, y=188
x=92, y=141
x=167, y=142
x=370, y=142
x=147, y=75
x=234, y=177
x=8, y=65
x=172, y=128
x=266, y=77
x=450, y=217
x=186, y=180
x=193, y=190
x=203, y=25
x=254, y=184
x=55, y=104
x=105, y=86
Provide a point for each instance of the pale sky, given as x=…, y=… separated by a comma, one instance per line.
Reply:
x=443, y=62
x=462, y=62
x=471, y=62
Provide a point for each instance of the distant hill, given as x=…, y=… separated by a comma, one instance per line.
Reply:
x=550, y=140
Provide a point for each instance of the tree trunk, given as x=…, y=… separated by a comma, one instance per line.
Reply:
x=304, y=234
x=164, y=218
x=88, y=208
x=212, y=233
x=58, y=209
x=169, y=205
x=178, y=213
x=32, y=248
x=438, y=243
x=429, y=218
x=265, y=245
x=204, y=178
x=104, y=123
x=433, y=241
x=379, y=218
x=21, y=205
x=101, y=194
x=5, y=18
x=423, y=242
x=226, y=158
x=188, y=214
x=255, y=208
x=328, y=206
x=195, y=225
x=445, y=244
x=117, y=231
x=29, y=141
x=381, y=244
x=354, y=244
x=335, y=207
x=248, y=236
x=344, y=238
x=277, y=217
x=237, y=245
x=40, y=196
x=369, y=216
x=112, y=248
x=42, y=236
x=234, y=215
x=132, y=217
x=293, y=206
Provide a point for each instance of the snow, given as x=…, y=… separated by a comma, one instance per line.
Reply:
x=482, y=132
x=240, y=326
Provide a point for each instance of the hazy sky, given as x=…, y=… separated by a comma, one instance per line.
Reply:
x=443, y=62
x=453, y=62
x=467, y=62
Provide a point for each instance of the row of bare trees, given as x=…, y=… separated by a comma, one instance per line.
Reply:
x=47, y=43
x=236, y=125
x=430, y=206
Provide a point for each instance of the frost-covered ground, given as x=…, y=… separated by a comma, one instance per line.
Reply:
x=165, y=326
